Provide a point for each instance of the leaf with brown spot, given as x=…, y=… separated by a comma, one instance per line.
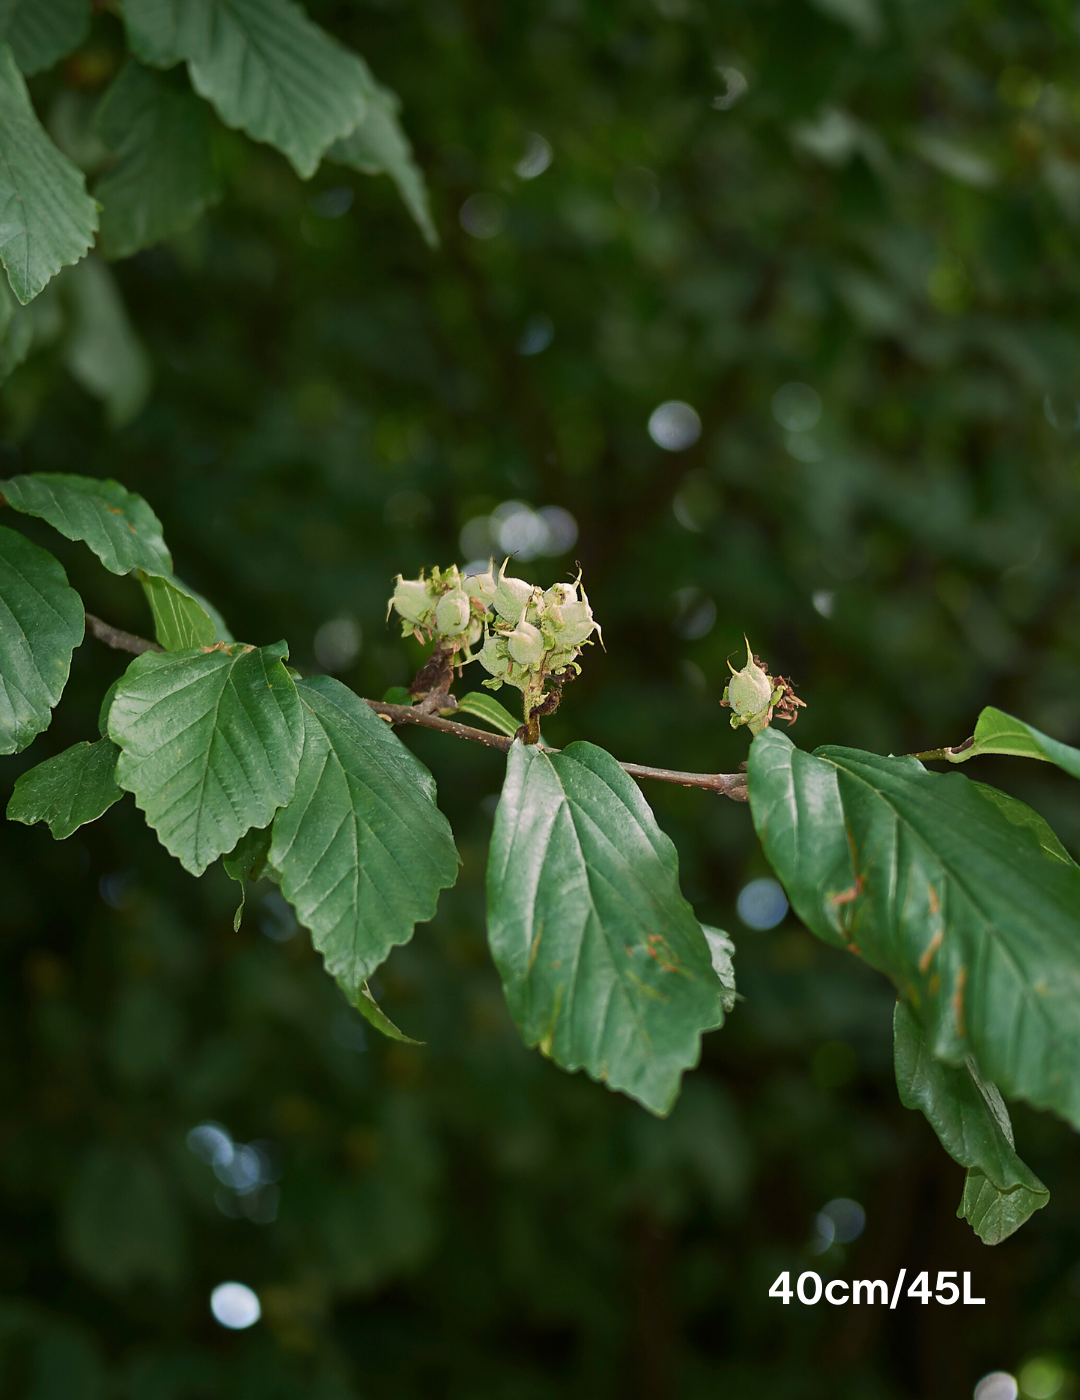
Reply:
x=937, y=854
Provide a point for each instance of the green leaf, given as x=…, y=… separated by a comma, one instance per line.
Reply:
x=75, y=787
x=722, y=952
x=972, y=1124
x=47, y=220
x=164, y=176
x=265, y=67
x=16, y=331
x=41, y=624
x=963, y=905
x=180, y=621
x=373, y=1013
x=487, y=708
x=247, y=861
x=118, y=525
x=603, y=963
x=378, y=145
x=41, y=32
x=103, y=353
x=210, y=744
x=362, y=851
x=999, y=733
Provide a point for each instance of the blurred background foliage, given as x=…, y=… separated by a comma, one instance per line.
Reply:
x=845, y=233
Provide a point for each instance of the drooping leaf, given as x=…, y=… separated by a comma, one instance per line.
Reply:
x=247, y=861
x=377, y=145
x=180, y=621
x=221, y=627
x=47, y=219
x=999, y=733
x=164, y=176
x=41, y=32
x=373, y=1013
x=265, y=67
x=975, y=920
x=103, y=352
x=41, y=624
x=118, y=525
x=16, y=331
x=75, y=787
x=362, y=851
x=210, y=744
x=487, y=708
x=603, y=963
x=972, y=1124
x=722, y=952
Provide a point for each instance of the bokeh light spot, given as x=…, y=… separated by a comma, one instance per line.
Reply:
x=235, y=1306
x=1041, y=1379
x=538, y=156
x=483, y=216
x=674, y=426
x=796, y=407
x=761, y=904
x=998, y=1385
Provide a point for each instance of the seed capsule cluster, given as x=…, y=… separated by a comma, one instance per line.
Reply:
x=446, y=608
x=529, y=635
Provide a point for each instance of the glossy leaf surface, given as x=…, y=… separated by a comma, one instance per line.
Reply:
x=951, y=892
x=362, y=851
x=210, y=744
x=267, y=69
x=47, y=220
x=604, y=966
x=41, y=624
x=118, y=525
x=972, y=1124
x=375, y=1016
x=69, y=790
x=180, y=621
x=999, y=733
x=484, y=706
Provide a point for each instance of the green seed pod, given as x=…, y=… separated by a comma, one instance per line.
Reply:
x=750, y=689
x=452, y=612
x=512, y=597
x=412, y=599
x=572, y=623
x=481, y=586
x=525, y=644
x=492, y=656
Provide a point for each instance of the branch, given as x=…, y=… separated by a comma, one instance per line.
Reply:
x=731, y=785
x=119, y=641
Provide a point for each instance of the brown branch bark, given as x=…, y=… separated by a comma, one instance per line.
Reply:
x=731, y=785
x=118, y=640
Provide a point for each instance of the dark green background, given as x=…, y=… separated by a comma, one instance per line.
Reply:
x=891, y=215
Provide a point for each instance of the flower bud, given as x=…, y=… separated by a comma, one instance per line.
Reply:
x=412, y=599
x=525, y=644
x=452, y=612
